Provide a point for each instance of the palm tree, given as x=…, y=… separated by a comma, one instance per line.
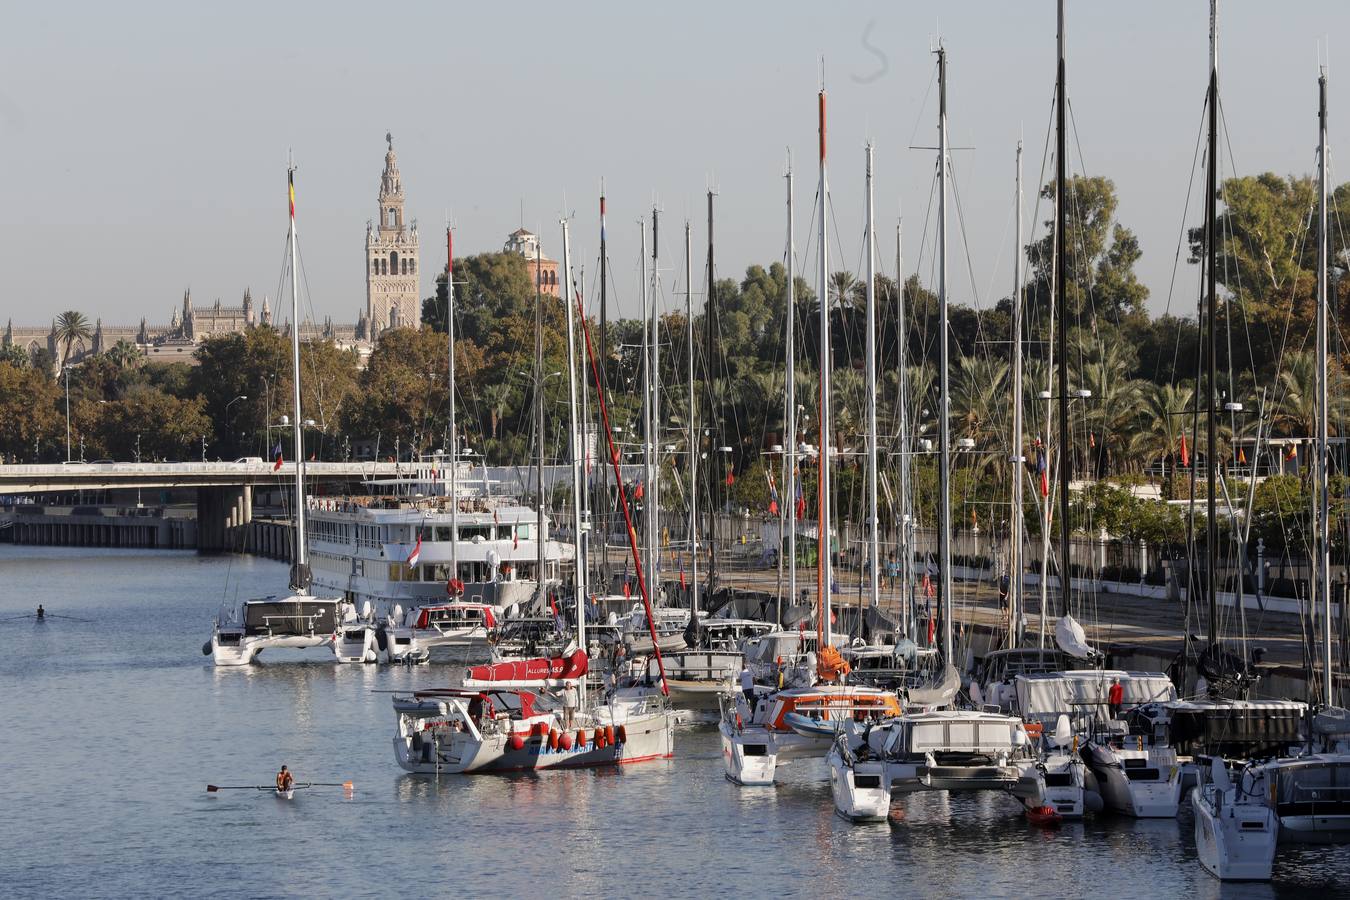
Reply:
x=126, y=355
x=1161, y=420
x=1104, y=369
x=71, y=326
x=1296, y=394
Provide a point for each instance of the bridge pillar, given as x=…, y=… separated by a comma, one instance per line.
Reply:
x=221, y=514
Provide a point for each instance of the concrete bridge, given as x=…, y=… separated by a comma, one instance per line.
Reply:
x=28, y=479
x=224, y=493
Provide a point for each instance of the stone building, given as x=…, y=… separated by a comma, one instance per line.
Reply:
x=393, y=298
x=527, y=245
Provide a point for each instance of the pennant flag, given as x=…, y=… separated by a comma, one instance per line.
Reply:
x=927, y=586
x=290, y=184
x=773, y=506
x=932, y=630
x=1292, y=454
x=1092, y=439
x=1242, y=456
x=731, y=479
x=416, y=553
x=276, y=451
x=637, y=491
x=1043, y=471
x=627, y=591
x=683, y=584
x=515, y=538
x=801, y=507
x=553, y=602
x=1185, y=453
x=974, y=520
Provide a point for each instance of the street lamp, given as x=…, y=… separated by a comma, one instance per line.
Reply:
x=228, y=430
x=65, y=370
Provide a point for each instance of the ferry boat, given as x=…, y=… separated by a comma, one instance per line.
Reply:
x=437, y=574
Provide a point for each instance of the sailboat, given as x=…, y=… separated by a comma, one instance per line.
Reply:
x=297, y=620
x=929, y=747
x=1300, y=797
x=767, y=725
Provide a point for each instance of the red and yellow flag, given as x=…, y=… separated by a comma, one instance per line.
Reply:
x=290, y=185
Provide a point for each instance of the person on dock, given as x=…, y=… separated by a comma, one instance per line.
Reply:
x=41, y=613
x=1004, y=583
x=284, y=780
x=1115, y=698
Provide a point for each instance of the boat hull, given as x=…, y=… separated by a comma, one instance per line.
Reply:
x=246, y=650
x=1234, y=841
x=861, y=789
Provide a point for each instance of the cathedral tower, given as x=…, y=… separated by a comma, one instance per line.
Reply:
x=392, y=295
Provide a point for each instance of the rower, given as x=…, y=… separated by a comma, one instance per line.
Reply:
x=41, y=613
x=284, y=780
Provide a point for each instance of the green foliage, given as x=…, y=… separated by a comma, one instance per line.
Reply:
x=28, y=416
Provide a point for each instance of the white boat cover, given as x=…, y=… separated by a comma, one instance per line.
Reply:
x=1071, y=638
x=939, y=694
x=1045, y=697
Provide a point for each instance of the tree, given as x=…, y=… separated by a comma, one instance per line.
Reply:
x=126, y=355
x=14, y=355
x=28, y=417
x=71, y=328
x=1100, y=258
x=168, y=427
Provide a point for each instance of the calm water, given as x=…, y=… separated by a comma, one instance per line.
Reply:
x=112, y=727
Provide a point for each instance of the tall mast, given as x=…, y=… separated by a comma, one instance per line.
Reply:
x=711, y=357
x=874, y=539
x=454, y=436
x=1211, y=333
x=944, y=427
x=791, y=477
x=1061, y=210
x=1015, y=458
x=299, y=572
x=575, y=443
x=654, y=486
x=648, y=425
x=539, y=413
x=906, y=549
x=693, y=423
x=823, y=575
x=602, y=506
x=1322, y=523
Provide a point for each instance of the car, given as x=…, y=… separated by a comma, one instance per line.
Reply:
x=249, y=460
x=103, y=462
x=74, y=462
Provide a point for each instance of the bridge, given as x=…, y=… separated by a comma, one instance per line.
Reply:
x=31, y=479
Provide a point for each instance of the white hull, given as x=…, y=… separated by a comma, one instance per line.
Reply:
x=751, y=755
x=862, y=790
x=1156, y=797
x=1234, y=840
x=247, y=649
x=356, y=645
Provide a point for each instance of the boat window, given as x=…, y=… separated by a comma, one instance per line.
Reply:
x=469, y=532
x=523, y=531
x=444, y=534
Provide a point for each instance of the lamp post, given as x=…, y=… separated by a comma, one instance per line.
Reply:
x=65, y=370
x=229, y=431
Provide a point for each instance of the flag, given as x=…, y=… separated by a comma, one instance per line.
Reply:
x=1185, y=454
x=553, y=603
x=773, y=494
x=773, y=507
x=1043, y=471
x=1292, y=454
x=1242, y=456
x=290, y=184
x=801, y=498
x=311, y=456
x=515, y=538
x=627, y=591
x=637, y=491
x=416, y=553
x=1092, y=439
x=927, y=585
x=974, y=520
x=731, y=478
x=683, y=584
x=276, y=451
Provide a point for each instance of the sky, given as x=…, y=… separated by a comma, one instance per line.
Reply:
x=144, y=145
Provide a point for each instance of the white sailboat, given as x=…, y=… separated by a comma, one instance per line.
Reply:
x=297, y=620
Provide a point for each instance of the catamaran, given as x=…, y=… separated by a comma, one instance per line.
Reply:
x=297, y=620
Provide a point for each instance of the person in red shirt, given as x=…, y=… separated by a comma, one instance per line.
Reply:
x=1115, y=698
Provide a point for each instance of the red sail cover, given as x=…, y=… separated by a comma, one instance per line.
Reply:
x=538, y=669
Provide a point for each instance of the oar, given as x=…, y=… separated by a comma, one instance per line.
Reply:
x=342, y=784
x=212, y=788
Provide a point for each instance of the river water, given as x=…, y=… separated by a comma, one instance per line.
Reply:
x=113, y=723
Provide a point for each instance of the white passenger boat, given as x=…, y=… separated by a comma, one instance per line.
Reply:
x=698, y=674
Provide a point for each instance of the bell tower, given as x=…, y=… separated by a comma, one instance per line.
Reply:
x=393, y=298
